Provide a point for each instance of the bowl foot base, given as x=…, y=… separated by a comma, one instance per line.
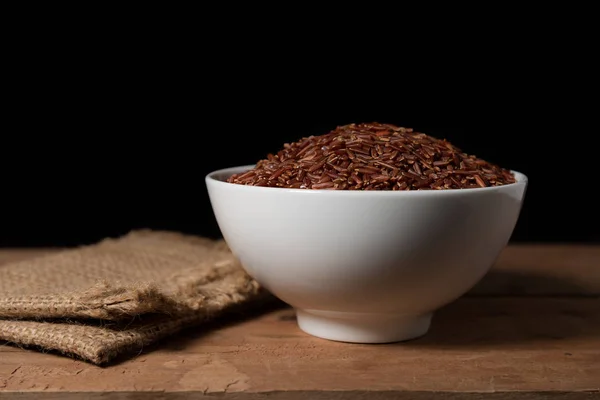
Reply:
x=362, y=328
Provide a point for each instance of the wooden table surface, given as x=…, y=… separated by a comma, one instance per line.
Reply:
x=530, y=329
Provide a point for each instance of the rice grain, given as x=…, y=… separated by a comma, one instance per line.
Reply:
x=373, y=156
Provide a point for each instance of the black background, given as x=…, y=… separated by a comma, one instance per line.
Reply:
x=97, y=153
x=105, y=186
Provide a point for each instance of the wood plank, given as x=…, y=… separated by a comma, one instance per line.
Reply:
x=476, y=345
x=547, y=270
x=306, y=395
x=529, y=330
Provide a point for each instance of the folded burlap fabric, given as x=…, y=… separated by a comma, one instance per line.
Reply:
x=119, y=295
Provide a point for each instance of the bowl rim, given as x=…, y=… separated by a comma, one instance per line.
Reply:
x=211, y=177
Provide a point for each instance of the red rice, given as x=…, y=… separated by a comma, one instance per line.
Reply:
x=373, y=156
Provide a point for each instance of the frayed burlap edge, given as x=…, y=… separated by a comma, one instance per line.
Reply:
x=114, y=302
x=112, y=319
x=99, y=345
x=102, y=301
x=102, y=343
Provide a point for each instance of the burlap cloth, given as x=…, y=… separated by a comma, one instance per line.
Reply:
x=117, y=296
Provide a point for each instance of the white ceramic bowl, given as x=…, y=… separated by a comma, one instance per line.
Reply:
x=365, y=266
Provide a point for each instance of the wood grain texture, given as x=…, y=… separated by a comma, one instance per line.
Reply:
x=505, y=341
x=308, y=395
x=558, y=270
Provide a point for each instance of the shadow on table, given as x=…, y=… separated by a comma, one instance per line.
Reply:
x=504, y=308
x=180, y=341
x=512, y=308
x=508, y=308
x=505, y=283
